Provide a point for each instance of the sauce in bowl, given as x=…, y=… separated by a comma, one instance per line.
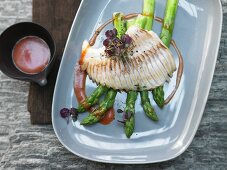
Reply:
x=31, y=55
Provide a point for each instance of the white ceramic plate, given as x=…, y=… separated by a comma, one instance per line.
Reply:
x=197, y=33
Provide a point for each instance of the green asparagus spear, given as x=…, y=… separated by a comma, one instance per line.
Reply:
x=92, y=99
x=130, y=110
x=166, y=36
x=169, y=19
x=158, y=96
x=98, y=114
x=119, y=24
x=147, y=106
x=129, y=126
x=148, y=12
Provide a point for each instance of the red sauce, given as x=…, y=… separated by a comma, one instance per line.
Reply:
x=79, y=83
x=31, y=55
x=109, y=117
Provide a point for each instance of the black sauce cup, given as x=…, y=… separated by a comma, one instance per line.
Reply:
x=10, y=37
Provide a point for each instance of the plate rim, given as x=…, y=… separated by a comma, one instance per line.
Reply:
x=194, y=130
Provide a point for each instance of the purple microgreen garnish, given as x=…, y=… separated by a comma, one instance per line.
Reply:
x=106, y=42
x=116, y=47
x=111, y=33
x=66, y=113
x=73, y=111
x=126, y=39
x=74, y=114
x=114, y=31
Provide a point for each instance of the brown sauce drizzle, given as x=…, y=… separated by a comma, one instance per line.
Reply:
x=179, y=72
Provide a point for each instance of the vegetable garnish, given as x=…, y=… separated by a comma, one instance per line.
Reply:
x=116, y=47
x=66, y=113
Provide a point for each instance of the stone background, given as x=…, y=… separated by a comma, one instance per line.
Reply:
x=23, y=146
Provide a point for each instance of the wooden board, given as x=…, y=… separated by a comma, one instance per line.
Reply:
x=57, y=17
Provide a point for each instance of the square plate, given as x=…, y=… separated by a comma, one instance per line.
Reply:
x=197, y=33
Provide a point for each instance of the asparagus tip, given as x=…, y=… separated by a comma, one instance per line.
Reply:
x=129, y=127
x=155, y=118
x=151, y=114
x=160, y=104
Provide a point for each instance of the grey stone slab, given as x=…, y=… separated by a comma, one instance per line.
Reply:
x=23, y=146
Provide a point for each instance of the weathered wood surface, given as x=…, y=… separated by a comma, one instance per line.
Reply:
x=57, y=16
x=23, y=146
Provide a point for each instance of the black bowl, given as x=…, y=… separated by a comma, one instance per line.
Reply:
x=10, y=37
